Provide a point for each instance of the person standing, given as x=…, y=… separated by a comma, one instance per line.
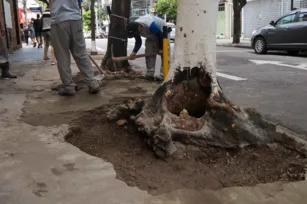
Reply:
x=26, y=33
x=67, y=38
x=150, y=27
x=32, y=32
x=4, y=58
x=37, y=25
x=46, y=29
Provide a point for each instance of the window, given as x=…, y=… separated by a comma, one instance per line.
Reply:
x=286, y=19
x=222, y=7
x=303, y=4
x=302, y=17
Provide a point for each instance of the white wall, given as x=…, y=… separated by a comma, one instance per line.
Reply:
x=259, y=13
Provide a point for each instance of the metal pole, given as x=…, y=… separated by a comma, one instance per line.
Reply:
x=165, y=52
x=292, y=6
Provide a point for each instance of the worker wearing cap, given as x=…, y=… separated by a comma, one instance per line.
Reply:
x=150, y=27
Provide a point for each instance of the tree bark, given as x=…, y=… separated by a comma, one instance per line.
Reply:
x=117, y=41
x=236, y=27
x=237, y=10
x=190, y=107
x=93, y=28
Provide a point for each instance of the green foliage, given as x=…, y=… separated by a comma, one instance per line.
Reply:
x=87, y=20
x=168, y=7
x=43, y=2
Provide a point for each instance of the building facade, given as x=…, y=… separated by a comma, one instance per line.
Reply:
x=258, y=13
x=9, y=24
x=28, y=9
x=140, y=7
x=224, y=28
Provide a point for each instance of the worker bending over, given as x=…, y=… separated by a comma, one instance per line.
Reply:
x=150, y=27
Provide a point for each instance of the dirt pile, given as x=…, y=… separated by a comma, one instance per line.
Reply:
x=191, y=167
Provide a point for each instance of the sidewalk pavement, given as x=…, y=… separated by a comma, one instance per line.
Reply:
x=245, y=43
x=37, y=166
x=28, y=54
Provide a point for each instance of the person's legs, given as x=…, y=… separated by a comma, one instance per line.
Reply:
x=33, y=38
x=52, y=56
x=4, y=53
x=47, y=43
x=38, y=39
x=4, y=60
x=60, y=36
x=151, y=47
x=46, y=52
x=27, y=39
x=80, y=55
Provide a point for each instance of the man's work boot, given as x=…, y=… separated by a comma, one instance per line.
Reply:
x=159, y=78
x=94, y=88
x=6, y=71
x=67, y=91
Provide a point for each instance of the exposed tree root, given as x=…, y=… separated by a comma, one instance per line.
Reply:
x=188, y=110
x=111, y=75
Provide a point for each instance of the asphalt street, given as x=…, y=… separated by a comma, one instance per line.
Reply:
x=275, y=84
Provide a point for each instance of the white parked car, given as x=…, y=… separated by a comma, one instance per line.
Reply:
x=87, y=34
x=173, y=33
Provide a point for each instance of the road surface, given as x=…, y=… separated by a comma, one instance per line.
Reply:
x=275, y=84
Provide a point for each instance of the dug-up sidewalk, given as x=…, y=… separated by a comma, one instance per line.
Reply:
x=38, y=167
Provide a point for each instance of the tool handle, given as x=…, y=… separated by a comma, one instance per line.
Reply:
x=136, y=56
x=97, y=66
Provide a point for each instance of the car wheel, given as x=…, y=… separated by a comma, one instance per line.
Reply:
x=293, y=52
x=260, y=46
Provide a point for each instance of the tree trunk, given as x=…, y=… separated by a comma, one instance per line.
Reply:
x=117, y=42
x=236, y=26
x=93, y=28
x=237, y=10
x=190, y=107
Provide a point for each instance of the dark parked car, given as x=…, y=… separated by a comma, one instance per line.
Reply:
x=288, y=33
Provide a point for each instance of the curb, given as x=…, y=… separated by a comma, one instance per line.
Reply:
x=235, y=45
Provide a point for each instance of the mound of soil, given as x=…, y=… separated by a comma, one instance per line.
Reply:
x=194, y=168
